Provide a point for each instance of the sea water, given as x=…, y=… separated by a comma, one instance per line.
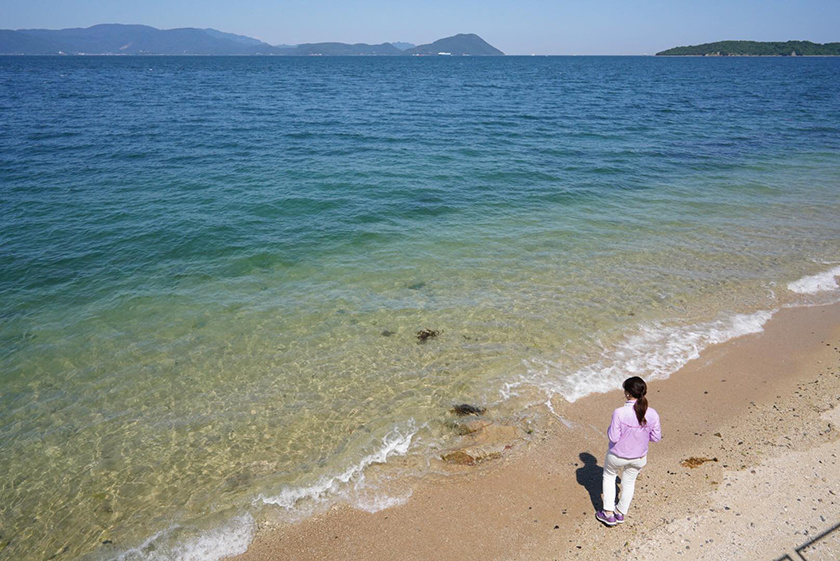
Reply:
x=213, y=270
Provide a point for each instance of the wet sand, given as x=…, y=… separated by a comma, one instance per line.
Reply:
x=762, y=409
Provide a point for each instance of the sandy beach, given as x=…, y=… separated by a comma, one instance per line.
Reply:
x=758, y=415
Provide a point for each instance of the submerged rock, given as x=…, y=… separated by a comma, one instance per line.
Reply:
x=469, y=426
x=458, y=457
x=487, y=443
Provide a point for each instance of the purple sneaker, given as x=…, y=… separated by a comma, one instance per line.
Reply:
x=607, y=520
x=619, y=518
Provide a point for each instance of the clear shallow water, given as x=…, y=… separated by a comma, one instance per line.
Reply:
x=200, y=257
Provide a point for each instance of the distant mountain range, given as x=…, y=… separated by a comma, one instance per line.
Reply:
x=118, y=39
x=756, y=48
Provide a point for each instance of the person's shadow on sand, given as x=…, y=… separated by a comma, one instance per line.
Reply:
x=590, y=477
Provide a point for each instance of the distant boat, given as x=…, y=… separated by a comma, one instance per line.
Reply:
x=444, y=54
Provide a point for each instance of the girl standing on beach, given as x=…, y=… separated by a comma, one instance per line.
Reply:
x=631, y=428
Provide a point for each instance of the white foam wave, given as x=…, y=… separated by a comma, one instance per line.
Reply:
x=394, y=443
x=180, y=543
x=508, y=390
x=139, y=551
x=377, y=503
x=655, y=352
x=231, y=539
x=813, y=284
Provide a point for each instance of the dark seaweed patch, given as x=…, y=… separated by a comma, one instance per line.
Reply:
x=425, y=334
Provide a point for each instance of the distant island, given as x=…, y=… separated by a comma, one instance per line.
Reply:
x=119, y=39
x=756, y=48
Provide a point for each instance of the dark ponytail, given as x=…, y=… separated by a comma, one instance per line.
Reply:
x=637, y=389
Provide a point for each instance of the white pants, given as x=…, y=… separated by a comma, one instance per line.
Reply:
x=612, y=465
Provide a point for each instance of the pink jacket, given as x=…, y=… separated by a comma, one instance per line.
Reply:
x=628, y=439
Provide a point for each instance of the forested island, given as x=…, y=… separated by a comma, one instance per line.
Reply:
x=756, y=48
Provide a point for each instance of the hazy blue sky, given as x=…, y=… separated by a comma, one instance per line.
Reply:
x=516, y=27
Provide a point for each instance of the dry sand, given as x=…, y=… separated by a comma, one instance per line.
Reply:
x=764, y=406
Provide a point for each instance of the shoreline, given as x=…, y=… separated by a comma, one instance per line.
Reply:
x=537, y=502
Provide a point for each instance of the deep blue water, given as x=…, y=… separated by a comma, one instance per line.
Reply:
x=201, y=158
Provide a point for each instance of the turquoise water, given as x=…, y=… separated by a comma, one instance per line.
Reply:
x=213, y=269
